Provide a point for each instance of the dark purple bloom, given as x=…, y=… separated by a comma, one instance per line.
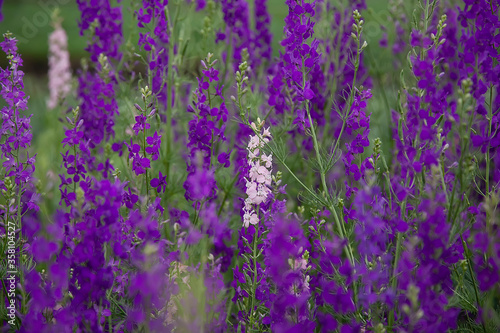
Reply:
x=15, y=131
x=159, y=183
x=154, y=143
x=223, y=159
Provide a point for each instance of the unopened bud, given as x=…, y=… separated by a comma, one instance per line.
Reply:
x=138, y=107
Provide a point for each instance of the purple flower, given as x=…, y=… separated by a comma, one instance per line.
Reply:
x=15, y=130
x=238, y=33
x=159, y=183
x=96, y=89
x=200, y=185
x=140, y=124
x=223, y=159
x=154, y=143
x=263, y=38
x=156, y=38
x=206, y=130
x=108, y=35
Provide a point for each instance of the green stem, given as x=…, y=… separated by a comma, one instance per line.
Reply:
x=254, y=284
x=490, y=121
x=226, y=194
x=197, y=213
x=351, y=100
x=473, y=278
x=441, y=172
x=144, y=152
x=170, y=79
x=394, y=282
x=338, y=222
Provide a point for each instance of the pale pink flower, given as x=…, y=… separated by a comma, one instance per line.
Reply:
x=259, y=177
x=254, y=142
x=267, y=159
x=250, y=218
x=253, y=154
x=266, y=133
x=252, y=191
x=59, y=67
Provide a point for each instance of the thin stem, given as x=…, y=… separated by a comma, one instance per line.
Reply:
x=473, y=278
x=490, y=121
x=74, y=183
x=144, y=152
x=441, y=172
x=170, y=79
x=226, y=194
x=254, y=285
x=338, y=222
x=394, y=282
x=351, y=100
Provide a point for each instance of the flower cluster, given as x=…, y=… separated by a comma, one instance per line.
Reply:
x=18, y=167
x=156, y=43
x=96, y=89
x=19, y=198
x=259, y=176
x=263, y=38
x=105, y=24
x=59, y=66
x=149, y=145
x=286, y=265
x=73, y=160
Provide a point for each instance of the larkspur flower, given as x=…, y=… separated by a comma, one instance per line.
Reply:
x=259, y=176
x=59, y=66
x=238, y=34
x=420, y=245
x=156, y=43
x=159, y=183
x=206, y=129
x=96, y=86
x=15, y=129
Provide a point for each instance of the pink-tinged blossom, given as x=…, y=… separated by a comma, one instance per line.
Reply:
x=259, y=176
x=59, y=67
